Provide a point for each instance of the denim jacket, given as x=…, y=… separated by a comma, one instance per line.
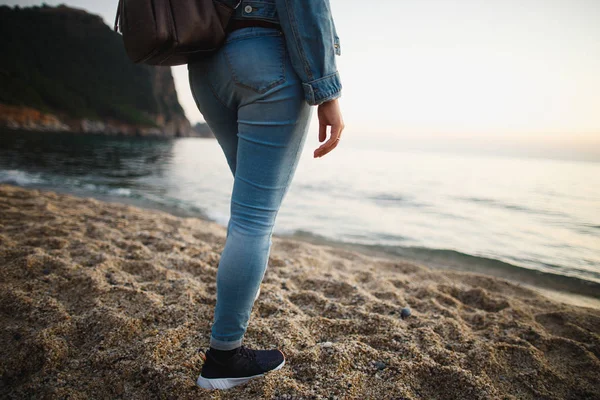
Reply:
x=311, y=40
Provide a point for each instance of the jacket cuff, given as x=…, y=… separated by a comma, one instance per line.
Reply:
x=323, y=89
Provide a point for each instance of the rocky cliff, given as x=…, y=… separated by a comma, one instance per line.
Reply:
x=65, y=69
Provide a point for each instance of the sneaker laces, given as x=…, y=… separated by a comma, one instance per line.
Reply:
x=246, y=352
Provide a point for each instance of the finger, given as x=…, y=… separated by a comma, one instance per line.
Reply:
x=322, y=135
x=322, y=132
x=331, y=143
x=336, y=131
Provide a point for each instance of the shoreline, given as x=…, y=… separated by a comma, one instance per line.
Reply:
x=569, y=289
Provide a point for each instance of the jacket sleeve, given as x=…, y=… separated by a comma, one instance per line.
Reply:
x=312, y=43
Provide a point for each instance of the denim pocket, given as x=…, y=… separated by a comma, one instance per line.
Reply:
x=257, y=62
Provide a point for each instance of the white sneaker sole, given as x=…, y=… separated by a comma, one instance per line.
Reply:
x=228, y=383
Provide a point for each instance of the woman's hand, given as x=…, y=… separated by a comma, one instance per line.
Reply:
x=329, y=115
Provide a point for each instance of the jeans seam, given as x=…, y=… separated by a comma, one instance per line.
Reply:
x=288, y=182
x=212, y=90
x=251, y=36
x=257, y=185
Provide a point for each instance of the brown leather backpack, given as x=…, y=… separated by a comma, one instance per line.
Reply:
x=172, y=32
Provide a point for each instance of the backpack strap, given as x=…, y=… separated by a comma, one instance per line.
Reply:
x=118, y=16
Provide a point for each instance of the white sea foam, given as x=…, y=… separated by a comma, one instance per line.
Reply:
x=18, y=177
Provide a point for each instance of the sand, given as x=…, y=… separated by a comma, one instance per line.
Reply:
x=107, y=301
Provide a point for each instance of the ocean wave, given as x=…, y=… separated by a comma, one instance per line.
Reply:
x=19, y=178
x=24, y=178
x=512, y=207
x=388, y=197
x=120, y=192
x=389, y=200
x=105, y=189
x=590, y=226
x=395, y=200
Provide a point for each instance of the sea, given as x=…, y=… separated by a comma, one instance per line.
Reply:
x=522, y=214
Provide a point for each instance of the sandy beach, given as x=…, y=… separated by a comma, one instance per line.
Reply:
x=106, y=301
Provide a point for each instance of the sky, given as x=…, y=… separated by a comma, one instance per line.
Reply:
x=509, y=72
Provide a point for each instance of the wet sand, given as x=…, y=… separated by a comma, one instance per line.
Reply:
x=102, y=300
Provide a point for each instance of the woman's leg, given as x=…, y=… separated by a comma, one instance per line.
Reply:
x=271, y=136
x=251, y=74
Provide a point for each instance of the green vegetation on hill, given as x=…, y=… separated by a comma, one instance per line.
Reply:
x=64, y=60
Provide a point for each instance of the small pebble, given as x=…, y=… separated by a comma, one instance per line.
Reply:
x=326, y=344
x=405, y=313
x=380, y=365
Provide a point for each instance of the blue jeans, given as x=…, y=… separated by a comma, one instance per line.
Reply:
x=254, y=103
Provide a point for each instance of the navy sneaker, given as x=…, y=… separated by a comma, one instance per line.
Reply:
x=226, y=369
